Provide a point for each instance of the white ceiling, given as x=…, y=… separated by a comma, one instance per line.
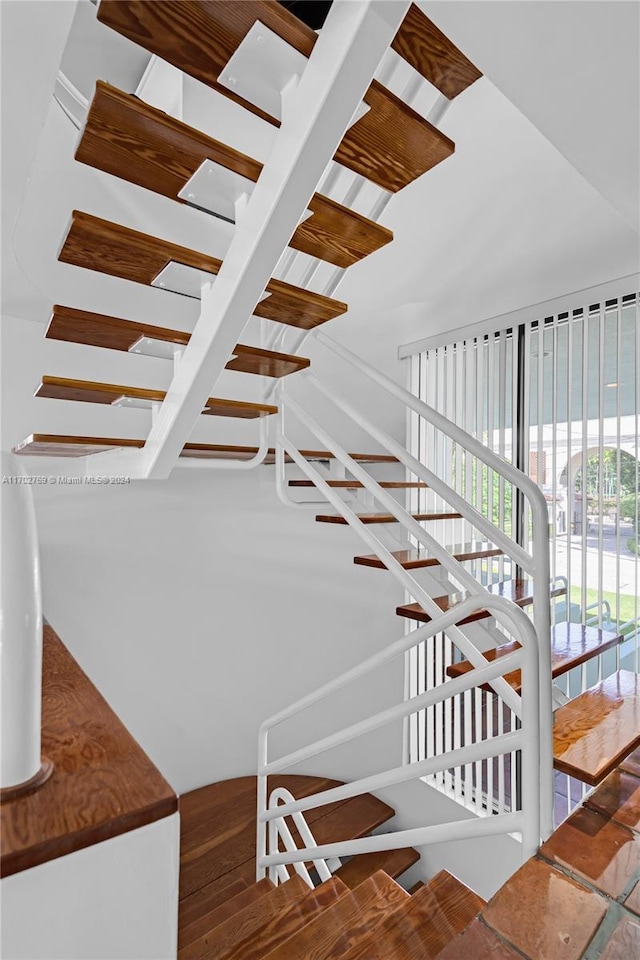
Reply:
x=573, y=69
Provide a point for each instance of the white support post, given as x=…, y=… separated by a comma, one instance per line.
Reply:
x=20, y=632
x=316, y=115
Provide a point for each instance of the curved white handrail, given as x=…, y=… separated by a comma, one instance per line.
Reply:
x=278, y=827
x=535, y=563
x=255, y=461
x=526, y=739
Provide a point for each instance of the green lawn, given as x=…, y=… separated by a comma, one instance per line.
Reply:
x=629, y=605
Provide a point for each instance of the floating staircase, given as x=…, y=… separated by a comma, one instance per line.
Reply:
x=129, y=139
x=361, y=911
x=390, y=145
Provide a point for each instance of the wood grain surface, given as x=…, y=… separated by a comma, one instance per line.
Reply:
x=97, y=244
x=571, y=645
x=129, y=139
x=66, y=445
x=114, y=333
x=391, y=145
x=413, y=559
x=90, y=391
x=594, y=732
x=103, y=784
x=520, y=591
x=226, y=937
x=428, y=921
x=288, y=922
x=344, y=923
x=432, y=54
x=385, y=517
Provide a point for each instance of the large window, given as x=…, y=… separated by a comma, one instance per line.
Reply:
x=559, y=396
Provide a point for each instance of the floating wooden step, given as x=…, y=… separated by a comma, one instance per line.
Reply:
x=357, y=485
x=571, y=645
x=288, y=922
x=346, y=922
x=100, y=330
x=519, y=591
x=61, y=445
x=130, y=139
x=432, y=54
x=413, y=559
x=385, y=517
x=61, y=388
x=595, y=732
x=364, y=865
x=224, y=939
x=423, y=925
x=118, y=251
x=390, y=145
x=197, y=919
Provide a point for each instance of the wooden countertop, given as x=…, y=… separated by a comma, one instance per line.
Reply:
x=103, y=784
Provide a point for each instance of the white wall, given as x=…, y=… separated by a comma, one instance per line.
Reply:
x=572, y=69
x=116, y=900
x=198, y=605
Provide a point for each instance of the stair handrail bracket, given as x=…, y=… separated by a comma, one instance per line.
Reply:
x=318, y=110
x=526, y=739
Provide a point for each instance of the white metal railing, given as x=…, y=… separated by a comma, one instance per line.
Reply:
x=526, y=740
x=529, y=731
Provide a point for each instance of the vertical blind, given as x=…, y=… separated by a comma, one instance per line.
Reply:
x=559, y=397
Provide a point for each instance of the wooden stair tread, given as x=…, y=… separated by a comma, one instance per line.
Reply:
x=62, y=445
x=223, y=939
x=412, y=559
x=194, y=908
x=333, y=933
x=128, y=138
x=571, y=645
x=119, y=251
x=220, y=836
x=90, y=391
x=192, y=925
x=100, y=330
x=433, y=55
x=102, y=785
x=520, y=591
x=594, y=732
x=390, y=145
x=384, y=517
x=289, y=921
x=364, y=865
x=357, y=485
x=424, y=925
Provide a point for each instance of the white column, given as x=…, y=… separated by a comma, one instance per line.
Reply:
x=20, y=628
